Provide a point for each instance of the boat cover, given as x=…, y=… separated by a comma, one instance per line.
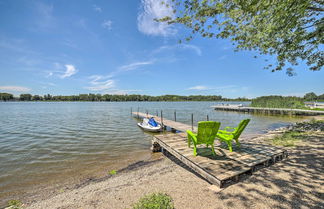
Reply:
x=152, y=122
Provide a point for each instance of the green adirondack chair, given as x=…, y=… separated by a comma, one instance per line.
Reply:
x=227, y=136
x=207, y=131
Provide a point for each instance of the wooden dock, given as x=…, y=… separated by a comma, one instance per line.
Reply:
x=269, y=111
x=224, y=168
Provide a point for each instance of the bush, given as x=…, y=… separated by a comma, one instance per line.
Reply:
x=155, y=201
x=278, y=102
x=14, y=204
x=113, y=172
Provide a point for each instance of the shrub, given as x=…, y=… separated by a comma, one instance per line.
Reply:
x=14, y=204
x=112, y=172
x=155, y=201
x=278, y=102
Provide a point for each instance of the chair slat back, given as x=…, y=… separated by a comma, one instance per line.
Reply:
x=240, y=128
x=207, y=131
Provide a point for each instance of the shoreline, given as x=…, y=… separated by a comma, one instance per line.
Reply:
x=292, y=183
x=155, y=159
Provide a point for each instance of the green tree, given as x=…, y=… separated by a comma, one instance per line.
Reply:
x=310, y=96
x=37, y=98
x=292, y=30
x=47, y=97
x=6, y=97
x=25, y=97
x=321, y=97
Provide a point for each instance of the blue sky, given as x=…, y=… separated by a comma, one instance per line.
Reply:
x=71, y=47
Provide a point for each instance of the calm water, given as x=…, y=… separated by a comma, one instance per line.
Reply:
x=43, y=144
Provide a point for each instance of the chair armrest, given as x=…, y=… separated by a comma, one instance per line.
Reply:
x=224, y=132
x=192, y=135
x=228, y=127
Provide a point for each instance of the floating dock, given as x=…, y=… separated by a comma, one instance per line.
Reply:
x=222, y=169
x=268, y=111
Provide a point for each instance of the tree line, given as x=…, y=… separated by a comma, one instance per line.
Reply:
x=115, y=98
x=285, y=102
x=137, y=97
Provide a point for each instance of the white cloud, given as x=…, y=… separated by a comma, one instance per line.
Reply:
x=226, y=88
x=100, y=83
x=177, y=47
x=107, y=24
x=155, y=9
x=193, y=47
x=96, y=8
x=70, y=70
x=199, y=88
x=122, y=91
x=15, y=88
x=134, y=65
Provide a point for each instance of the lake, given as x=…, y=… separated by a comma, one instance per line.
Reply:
x=44, y=144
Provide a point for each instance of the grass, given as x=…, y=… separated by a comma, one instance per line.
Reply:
x=113, y=172
x=155, y=201
x=61, y=190
x=320, y=109
x=15, y=204
x=288, y=139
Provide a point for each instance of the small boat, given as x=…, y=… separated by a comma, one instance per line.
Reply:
x=149, y=124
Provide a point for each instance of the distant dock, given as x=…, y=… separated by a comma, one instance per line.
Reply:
x=224, y=168
x=268, y=111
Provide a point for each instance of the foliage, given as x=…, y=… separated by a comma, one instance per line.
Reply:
x=25, y=97
x=113, y=172
x=131, y=97
x=6, y=97
x=278, y=102
x=292, y=30
x=117, y=98
x=288, y=139
x=155, y=201
x=15, y=204
x=310, y=96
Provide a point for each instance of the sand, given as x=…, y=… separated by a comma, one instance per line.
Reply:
x=296, y=182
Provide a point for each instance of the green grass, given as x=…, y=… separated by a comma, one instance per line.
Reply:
x=113, y=172
x=155, y=201
x=320, y=109
x=15, y=204
x=288, y=139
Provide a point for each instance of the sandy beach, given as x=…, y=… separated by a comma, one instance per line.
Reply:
x=296, y=182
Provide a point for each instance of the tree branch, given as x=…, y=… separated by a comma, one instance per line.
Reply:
x=316, y=9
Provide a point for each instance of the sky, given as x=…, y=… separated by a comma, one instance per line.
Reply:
x=115, y=47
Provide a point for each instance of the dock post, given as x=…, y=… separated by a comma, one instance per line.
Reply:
x=137, y=112
x=162, y=120
x=207, y=118
x=192, y=121
x=175, y=116
x=146, y=113
x=157, y=113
